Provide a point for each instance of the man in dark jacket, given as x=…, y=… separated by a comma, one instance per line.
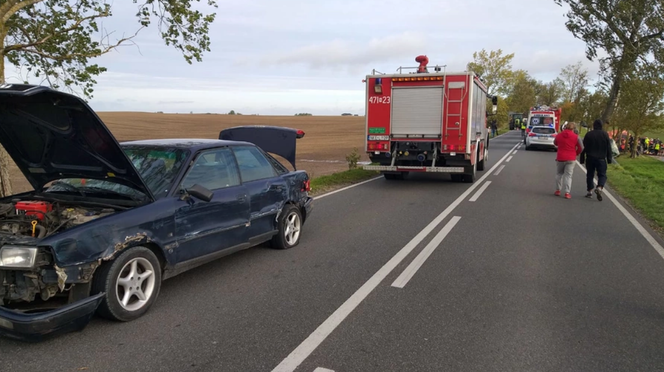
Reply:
x=597, y=153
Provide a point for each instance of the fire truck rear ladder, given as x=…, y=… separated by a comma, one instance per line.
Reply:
x=448, y=115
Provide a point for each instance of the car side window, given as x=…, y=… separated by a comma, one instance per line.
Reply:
x=214, y=170
x=253, y=164
x=277, y=165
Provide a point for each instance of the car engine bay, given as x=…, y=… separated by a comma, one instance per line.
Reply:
x=40, y=219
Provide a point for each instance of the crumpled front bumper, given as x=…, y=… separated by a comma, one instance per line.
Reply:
x=40, y=326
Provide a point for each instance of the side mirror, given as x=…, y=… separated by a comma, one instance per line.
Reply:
x=199, y=192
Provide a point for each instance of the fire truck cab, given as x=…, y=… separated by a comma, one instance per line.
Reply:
x=424, y=121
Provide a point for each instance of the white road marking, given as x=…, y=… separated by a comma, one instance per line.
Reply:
x=653, y=242
x=499, y=170
x=302, y=351
x=515, y=151
x=410, y=271
x=321, y=369
x=508, y=159
x=346, y=188
x=480, y=191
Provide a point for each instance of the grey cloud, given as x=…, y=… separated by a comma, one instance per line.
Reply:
x=344, y=53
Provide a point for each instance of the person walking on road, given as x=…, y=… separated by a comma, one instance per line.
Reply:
x=569, y=147
x=597, y=154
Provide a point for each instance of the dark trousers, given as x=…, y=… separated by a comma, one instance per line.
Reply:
x=595, y=165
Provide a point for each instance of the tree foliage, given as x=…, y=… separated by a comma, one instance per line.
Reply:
x=630, y=32
x=574, y=81
x=56, y=41
x=524, y=92
x=641, y=107
x=495, y=69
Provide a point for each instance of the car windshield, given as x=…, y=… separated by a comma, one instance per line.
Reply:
x=158, y=166
x=539, y=130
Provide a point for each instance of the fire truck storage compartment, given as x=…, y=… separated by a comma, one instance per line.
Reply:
x=417, y=111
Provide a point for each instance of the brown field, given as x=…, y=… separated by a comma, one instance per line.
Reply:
x=326, y=137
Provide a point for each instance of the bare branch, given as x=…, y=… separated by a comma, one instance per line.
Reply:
x=70, y=56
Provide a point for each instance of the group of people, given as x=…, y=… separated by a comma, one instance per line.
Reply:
x=594, y=151
x=645, y=145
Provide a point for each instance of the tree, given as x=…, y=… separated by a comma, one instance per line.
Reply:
x=629, y=31
x=523, y=95
x=591, y=106
x=574, y=80
x=640, y=108
x=550, y=93
x=495, y=69
x=54, y=40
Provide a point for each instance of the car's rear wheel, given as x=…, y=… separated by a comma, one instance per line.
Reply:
x=131, y=282
x=290, y=226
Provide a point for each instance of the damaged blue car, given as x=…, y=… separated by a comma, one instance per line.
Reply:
x=107, y=222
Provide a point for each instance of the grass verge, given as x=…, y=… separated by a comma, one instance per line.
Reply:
x=641, y=182
x=330, y=182
x=501, y=131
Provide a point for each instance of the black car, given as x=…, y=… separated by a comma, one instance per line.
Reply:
x=108, y=221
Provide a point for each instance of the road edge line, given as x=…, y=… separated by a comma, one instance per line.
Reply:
x=421, y=258
x=346, y=188
x=639, y=227
x=308, y=345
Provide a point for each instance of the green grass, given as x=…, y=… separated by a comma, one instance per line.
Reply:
x=333, y=181
x=500, y=131
x=641, y=182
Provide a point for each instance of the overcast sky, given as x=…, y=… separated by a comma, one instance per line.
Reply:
x=288, y=56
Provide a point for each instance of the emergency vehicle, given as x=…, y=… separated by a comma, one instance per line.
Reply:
x=544, y=115
x=425, y=121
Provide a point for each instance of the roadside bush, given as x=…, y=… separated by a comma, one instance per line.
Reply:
x=352, y=159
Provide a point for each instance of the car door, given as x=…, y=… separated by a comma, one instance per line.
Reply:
x=267, y=191
x=203, y=228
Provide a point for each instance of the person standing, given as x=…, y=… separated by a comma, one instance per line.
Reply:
x=569, y=147
x=597, y=154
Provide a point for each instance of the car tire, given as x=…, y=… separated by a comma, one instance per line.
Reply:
x=130, y=265
x=290, y=218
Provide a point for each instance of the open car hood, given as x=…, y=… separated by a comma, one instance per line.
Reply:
x=276, y=140
x=52, y=135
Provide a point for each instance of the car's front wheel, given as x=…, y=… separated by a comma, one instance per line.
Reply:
x=290, y=226
x=131, y=282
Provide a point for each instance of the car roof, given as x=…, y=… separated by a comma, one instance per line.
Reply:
x=193, y=144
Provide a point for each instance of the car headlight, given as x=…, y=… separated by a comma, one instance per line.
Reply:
x=18, y=257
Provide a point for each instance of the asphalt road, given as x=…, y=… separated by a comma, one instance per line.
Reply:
x=415, y=275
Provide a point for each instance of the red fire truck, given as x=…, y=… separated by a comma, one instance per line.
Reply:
x=425, y=121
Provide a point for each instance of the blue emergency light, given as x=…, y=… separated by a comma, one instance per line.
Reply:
x=379, y=80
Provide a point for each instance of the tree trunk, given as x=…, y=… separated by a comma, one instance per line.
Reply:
x=613, y=96
x=5, y=180
x=635, y=146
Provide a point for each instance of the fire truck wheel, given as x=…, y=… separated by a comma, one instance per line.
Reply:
x=480, y=163
x=470, y=177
